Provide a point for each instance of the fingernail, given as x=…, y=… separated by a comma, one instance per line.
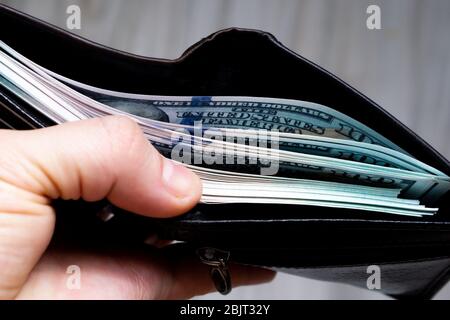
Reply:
x=178, y=179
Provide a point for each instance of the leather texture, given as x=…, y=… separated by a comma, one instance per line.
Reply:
x=322, y=243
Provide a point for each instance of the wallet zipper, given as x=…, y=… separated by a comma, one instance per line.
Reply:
x=218, y=261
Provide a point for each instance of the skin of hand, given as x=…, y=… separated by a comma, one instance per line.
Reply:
x=93, y=159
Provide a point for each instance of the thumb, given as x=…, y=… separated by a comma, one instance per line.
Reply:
x=93, y=159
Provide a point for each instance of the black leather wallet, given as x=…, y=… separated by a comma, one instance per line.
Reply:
x=317, y=242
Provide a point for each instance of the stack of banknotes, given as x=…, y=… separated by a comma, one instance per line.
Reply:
x=249, y=149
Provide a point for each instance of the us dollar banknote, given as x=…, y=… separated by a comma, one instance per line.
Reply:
x=413, y=184
x=325, y=157
x=282, y=115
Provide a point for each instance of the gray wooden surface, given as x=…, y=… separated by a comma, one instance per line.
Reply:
x=405, y=66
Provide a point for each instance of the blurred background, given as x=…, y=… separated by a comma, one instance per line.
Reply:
x=404, y=66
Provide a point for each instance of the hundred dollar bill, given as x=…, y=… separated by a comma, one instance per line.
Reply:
x=285, y=116
x=300, y=130
x=342, y=149
x=282, y=115
x=66, y=105
x=414, y=185
x=257, y=189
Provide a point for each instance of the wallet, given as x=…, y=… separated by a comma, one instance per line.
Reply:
x=330, y=244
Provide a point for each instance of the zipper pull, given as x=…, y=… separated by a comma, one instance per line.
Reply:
x=218, y=260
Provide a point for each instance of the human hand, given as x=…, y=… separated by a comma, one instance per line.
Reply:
x=93, y=159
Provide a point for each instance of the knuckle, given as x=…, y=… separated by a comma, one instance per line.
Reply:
x=123, y=134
